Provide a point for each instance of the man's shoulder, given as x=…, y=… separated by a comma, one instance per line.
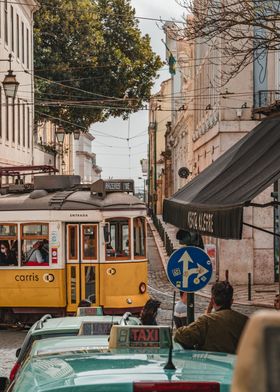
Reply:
x=230, y=314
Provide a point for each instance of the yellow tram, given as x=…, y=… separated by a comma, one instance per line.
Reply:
x=62, y=242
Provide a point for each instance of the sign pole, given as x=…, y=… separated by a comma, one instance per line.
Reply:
x=190, y=306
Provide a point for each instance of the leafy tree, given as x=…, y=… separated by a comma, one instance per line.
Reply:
x=242, y=31
x=91, y=61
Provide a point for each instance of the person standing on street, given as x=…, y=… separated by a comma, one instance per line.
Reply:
x=218, y=331
x=181, y=311
x=149, y=312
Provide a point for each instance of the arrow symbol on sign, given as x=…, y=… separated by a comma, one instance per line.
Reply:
x=199, y=271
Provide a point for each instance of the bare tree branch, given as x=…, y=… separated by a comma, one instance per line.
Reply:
x=246, y=29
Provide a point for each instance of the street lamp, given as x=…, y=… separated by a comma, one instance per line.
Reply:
x=10, y=84
x=60, y=134
x=77, y=134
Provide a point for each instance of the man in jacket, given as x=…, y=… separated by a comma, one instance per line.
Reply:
x=215, y=331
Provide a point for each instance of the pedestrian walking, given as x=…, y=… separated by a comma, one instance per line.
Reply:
x=215, y=331
x=181, y=311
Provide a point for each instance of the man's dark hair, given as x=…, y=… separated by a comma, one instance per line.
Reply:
x=182, y=293
x=222, y=293
x=149, y=312
x=84, y=303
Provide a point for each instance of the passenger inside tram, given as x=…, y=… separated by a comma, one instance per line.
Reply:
x=7, y=255
x=39, y=252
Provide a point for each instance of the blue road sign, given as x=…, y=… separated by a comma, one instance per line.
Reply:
x=189, y=269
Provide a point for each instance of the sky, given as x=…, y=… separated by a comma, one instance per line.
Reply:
x=117, y=157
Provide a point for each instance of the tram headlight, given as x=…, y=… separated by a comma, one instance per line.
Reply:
x=142, y=287
x=129, y=301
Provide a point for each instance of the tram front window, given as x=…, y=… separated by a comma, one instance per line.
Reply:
x=119, y=245
x=139, y=232
x=8, y=245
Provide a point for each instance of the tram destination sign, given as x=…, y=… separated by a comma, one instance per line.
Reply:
x=118, y=186
x=108, y=186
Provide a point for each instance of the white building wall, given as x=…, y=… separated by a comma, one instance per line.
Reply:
x=85, y=160
x=16, y=121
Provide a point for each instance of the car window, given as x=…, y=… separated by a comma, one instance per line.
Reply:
x=25, y=350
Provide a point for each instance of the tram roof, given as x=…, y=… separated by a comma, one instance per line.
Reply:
x=69, y=200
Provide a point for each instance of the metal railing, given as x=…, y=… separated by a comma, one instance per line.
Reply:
x=163, y=235
x=267, y=97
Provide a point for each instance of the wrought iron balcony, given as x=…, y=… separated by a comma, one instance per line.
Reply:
x=267, y=102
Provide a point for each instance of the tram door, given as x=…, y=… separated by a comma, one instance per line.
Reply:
x=81, y=262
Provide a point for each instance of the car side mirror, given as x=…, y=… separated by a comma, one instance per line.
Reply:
x=18, y=352
x=4, y=382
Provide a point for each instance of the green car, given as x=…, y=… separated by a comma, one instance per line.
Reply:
x=136, y=359
x=48, y=327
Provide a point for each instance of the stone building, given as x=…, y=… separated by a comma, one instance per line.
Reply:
x=69, y=153
x=214, y=117
x=16, y=121
x=159, y=115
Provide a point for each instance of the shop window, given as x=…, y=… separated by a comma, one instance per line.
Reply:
x=35, y=244
x=119, y=243
x=139, y=233
x=8, y=245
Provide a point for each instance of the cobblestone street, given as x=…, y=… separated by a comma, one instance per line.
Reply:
x=10, y=341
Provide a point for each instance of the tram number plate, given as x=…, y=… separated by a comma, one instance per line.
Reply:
x=144, y=337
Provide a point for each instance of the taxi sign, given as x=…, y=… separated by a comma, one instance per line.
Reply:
x=95, y=328
x=189, y=269
x=90, y=311
x=142, y=336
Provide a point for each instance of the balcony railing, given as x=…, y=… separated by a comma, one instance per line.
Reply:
x=267, y=101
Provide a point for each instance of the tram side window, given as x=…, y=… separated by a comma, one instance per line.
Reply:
x=118, y=247
x=8, y=245
x=139, y=236
x=35, y=244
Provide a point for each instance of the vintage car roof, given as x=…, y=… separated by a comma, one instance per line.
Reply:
x=69, y=200
x=61, y=324
x=71, y=364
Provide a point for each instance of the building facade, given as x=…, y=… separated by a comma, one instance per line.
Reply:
x=72, y=156
x=159, y=116
x=208, y=117
x=17, y=115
